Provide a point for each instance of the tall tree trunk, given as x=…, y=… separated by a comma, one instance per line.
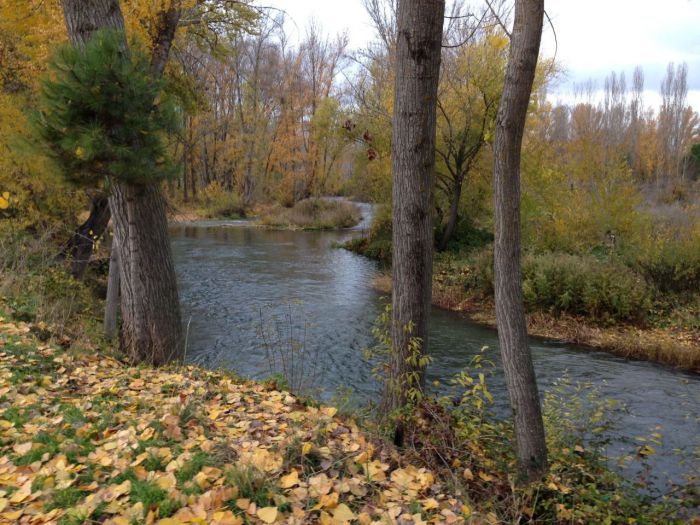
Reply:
x=413, y=162
x=510, y=312
x=112, y=300
x=151, y=327
x=81, y=245
x=453, y=216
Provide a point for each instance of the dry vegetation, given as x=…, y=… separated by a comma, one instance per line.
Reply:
x=313, y=214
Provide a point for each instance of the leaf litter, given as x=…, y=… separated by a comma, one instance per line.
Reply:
x=87, y=439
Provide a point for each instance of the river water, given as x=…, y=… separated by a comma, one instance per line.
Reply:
x=249, y=295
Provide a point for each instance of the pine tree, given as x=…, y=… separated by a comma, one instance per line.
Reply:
x=97, y=104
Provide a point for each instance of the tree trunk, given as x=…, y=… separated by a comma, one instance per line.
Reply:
x=151, y=327
x=81, y=245
x=112, y=301
x=413, y=161
x=453, y=217
x=510, y=313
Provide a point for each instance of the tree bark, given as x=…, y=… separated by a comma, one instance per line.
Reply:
x=151, y=329
x=413, y=162
x=112, y=300
x=510, y=313
x=81, y=245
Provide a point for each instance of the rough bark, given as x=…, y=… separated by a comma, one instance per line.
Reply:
x=151, y=328
x=510, y=313
x=112, y=301
x=81, y=245
x=413, y=162
x=151, y=325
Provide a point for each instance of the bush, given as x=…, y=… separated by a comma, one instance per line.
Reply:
x=606, y=291
x=672, y=266
x=314, y=214
x=38, y=287
x=219, y=202
x=377, y=244
x=466, y=237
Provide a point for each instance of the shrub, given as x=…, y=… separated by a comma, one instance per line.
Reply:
x=314, y=214
x=466, y=237
x=219, y=202
x=672, y=266
x=606, y=291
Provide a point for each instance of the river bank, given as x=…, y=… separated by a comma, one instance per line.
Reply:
x=85, y=438
x=675, y=347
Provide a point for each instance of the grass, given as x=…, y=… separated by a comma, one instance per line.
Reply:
x=313, y=214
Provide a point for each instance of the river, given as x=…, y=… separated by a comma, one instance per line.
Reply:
x=250, y=294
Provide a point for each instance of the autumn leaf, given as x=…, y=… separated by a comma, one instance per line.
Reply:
x=268, y=514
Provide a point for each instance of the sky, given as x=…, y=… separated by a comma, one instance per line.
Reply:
x=594, y=37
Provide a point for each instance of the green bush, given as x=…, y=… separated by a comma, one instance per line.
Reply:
x=673, y=267
x=604, y=290
x=607, y=291
x=466, y=237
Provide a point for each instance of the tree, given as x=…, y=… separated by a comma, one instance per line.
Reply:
x=470, y=86
x=151, y=326
x=520, y=377
x=419, y=39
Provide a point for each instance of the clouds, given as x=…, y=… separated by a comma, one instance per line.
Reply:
x=599, y=36
x=595, y=37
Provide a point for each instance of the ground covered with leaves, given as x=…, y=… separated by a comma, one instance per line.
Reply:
x=86, y=439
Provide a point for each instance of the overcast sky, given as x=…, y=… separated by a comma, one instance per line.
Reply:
x=595, y=36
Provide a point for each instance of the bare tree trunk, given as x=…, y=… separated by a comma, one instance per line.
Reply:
x=151, y=327
x=453, y=216
x=81, y=245
x=112, y=301
x=510, y=313
x=413, y=162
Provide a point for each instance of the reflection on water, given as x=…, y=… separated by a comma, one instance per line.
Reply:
x=235, y=280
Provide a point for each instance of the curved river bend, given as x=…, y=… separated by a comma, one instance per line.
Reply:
x=245, y=290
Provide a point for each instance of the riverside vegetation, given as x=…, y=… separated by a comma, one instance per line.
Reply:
x=119, y=443
x=85, y=438
x=638, y=301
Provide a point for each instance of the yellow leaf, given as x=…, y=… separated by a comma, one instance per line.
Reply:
x=342, y=513
x=306, y=448
x=22, y=448
x=22, y=494
x=169, y=521
x=485, y=476
x=290, y=480
x=167, y=482
x=268, y=514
